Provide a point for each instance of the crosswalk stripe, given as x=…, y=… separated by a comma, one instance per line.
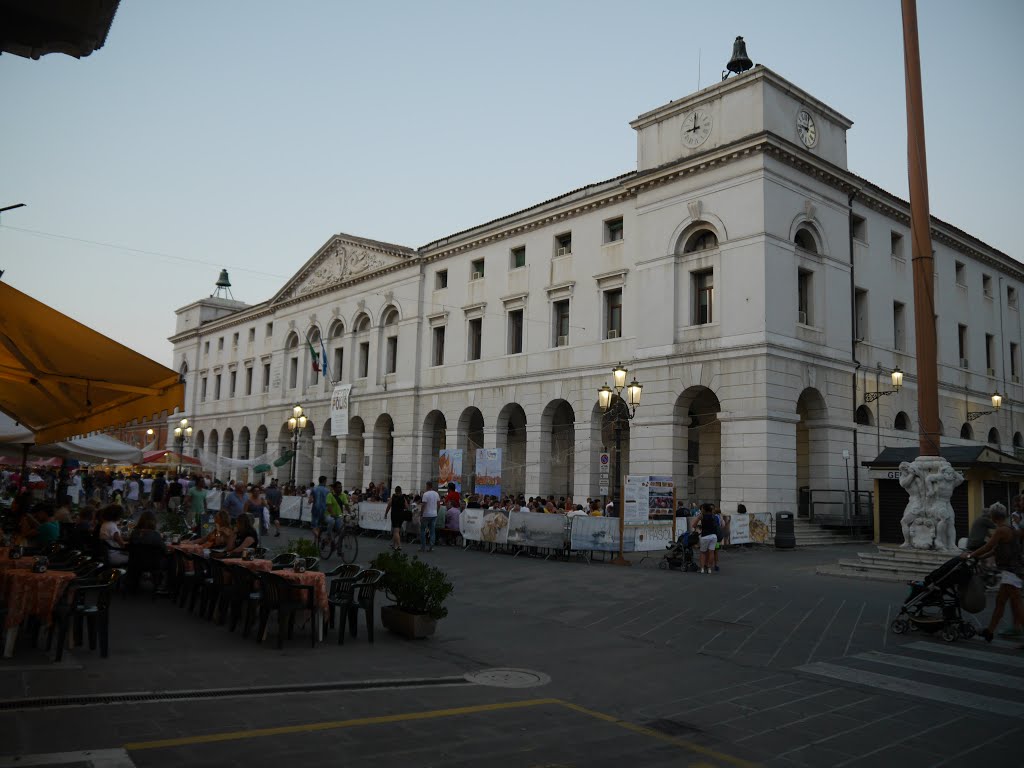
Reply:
x=951, y=696
x=948, y=670
x=995, y=659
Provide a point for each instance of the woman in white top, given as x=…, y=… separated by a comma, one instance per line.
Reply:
x=110, y=535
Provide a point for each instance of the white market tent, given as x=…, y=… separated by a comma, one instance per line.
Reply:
x=93, y=449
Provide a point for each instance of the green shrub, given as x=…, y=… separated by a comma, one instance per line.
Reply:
x=413, y=585
x=173, y=523
x=303, y=548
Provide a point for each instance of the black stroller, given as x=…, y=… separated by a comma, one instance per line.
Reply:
x=679, y=555
x=935, y=604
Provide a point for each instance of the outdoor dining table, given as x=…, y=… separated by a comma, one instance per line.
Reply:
x=318, y=581
x=26, y=594
x=252, y=565
x=190, y=547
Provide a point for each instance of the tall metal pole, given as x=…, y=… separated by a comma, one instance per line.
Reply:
x=921, y=246
x=295, y=453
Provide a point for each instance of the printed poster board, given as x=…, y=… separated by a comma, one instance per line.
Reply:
x=488, y=472
x=449, y=469
x=486, y=525
x=594, y=534
x=537, y=529
x=339, y=410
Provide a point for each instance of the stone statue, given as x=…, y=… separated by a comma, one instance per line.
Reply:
x=928, y=521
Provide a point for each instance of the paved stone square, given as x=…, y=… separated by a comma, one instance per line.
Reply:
x=764, y=663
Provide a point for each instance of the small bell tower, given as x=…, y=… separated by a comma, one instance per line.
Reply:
x=223, y=287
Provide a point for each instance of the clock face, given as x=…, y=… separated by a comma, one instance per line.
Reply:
x=696, y=128
x=806, y=129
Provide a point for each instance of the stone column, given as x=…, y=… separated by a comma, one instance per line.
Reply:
x=584, y=478
x=537, y=452
x=403, y=464
x=373, y=448
x=758, y=460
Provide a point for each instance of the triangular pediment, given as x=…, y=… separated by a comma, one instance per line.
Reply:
x=342, y=259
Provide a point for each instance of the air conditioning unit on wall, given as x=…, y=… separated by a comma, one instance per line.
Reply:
x=613, y=334
x=801, y=317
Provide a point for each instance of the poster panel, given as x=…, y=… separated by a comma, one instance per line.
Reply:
x=339, y=410
x=449, y=469
x=373, y=516
x=739, y=529
x=488, y=472
x=486, y=525
x=635, y=507
x=291, y=507
x=660, y=498
x=594, y=534
x=537, y=529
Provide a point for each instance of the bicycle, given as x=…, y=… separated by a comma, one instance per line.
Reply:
x=341, y=539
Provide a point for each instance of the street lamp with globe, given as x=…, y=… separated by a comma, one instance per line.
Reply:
x=622, y=410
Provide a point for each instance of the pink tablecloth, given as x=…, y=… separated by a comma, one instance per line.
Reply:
x=315, y=579
x=189, y=547
x=252, y=565
x=31, y=594
x=21, y=562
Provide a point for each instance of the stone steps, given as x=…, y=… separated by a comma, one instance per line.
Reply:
x=810, y=535
x=887, y=564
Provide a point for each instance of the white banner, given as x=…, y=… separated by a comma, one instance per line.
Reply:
x=487, y=525
x=372, y=516
x=594, y=534
x=649, y=538
x=291, y=507
x=739, y=529
x=537, y=529
x=213, y=499
x=339, y=409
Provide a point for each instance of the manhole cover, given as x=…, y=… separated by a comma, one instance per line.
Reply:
x=508, y=678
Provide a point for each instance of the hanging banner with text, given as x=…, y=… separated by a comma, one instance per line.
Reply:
x=486, y=525
x=488, y=472
x=449, y=469
x=339, y=410
x=373, y=516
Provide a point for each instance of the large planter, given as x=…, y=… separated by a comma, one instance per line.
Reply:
x=411, y=625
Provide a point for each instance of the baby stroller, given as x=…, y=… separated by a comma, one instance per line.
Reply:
x=679, y=555
x=935, y=603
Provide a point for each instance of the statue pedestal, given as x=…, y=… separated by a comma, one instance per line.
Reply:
x=928, y=522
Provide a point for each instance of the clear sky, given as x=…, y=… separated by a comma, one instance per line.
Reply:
x=244, y=134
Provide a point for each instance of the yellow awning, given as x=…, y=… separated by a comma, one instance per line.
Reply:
x=60, y=378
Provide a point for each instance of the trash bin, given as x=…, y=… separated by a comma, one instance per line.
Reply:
x=785, y=536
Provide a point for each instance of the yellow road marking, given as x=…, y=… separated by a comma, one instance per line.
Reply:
x=334, y=724
x=684, y=743
x=432, y=714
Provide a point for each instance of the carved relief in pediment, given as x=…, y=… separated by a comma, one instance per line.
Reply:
x=339, y=264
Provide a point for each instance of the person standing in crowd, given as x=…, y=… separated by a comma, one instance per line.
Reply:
x=428, y=517
x=234, y=502
x=708, y=537
x=274, y=497
x=318, y=500
x=254, y=505
x=197, y=503
x=159, y=489
x=174, y=495
x=1005, y=543
x=398, y=507
x=133, y=493
x=147, y=488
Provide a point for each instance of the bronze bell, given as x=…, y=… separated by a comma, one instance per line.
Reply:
x=739, y=62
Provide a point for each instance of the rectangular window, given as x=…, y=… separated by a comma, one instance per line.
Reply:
x=804, y=288
x=270, y=330
x=1011, y=297
x=293, y=373
x=961, y=340
x=613, y=230
x=515, y=332
x=860, y=314
x=860, y=228
x=234, y=341
x=364, y=359
x=476, y=337
x=252, y=335
x=266, y=377
x=440, y=279
x=206, y=348
x=990, y=354
x=896, y=245
x=220, y=344
x=517, y=257
x=232, y=381
x=248, y=380
x=202, y=389
x=986, y=286
x=899, y=326
x=437, y=353
x=703, y=297
x=563, y=244
x=961, y=274
x=391, y=358
x=613, y=313
x=216, y=387
x=476, y=269
x=1015, y=362
x=561, y=323
x=339, y=364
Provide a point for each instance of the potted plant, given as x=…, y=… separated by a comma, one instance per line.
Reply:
x=303, y=548
x=418, y=591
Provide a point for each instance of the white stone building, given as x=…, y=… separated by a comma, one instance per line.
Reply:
x=755, y=287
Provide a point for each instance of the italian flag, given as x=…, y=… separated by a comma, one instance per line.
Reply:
x=314, y=355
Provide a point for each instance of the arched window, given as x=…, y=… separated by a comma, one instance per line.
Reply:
x=805, y=240
x=864, y=416
x=901, y=422
x=701, y=240
x=1018, y=440
x=362, y=323
x=993, y=436
x=966, y=432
